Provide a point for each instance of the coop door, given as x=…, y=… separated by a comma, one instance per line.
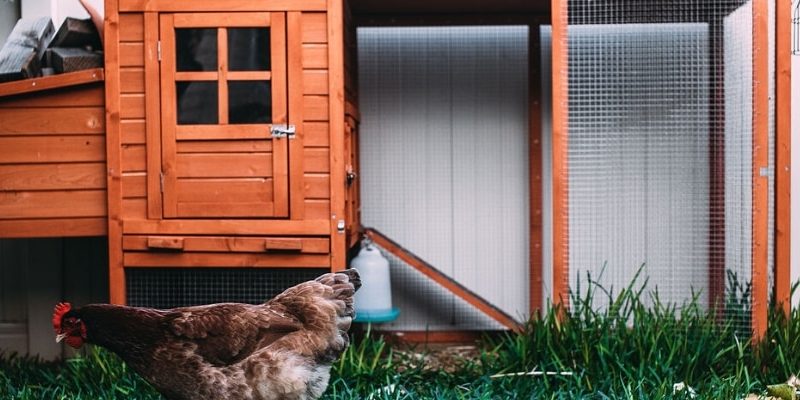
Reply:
x=223, y=104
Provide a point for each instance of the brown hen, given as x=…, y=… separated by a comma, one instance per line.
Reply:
x=282, y=349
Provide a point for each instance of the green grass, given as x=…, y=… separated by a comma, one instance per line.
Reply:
x=632, y=349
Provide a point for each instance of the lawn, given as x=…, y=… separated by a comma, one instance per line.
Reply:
x=633, y=349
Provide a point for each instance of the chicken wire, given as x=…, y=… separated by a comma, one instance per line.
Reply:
x=659, y=149
x=181, y=287
x=444, y=165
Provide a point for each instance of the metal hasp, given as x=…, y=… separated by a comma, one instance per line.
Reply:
x=283, y=131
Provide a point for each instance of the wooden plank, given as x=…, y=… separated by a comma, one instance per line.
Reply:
x=317, y=160
x=162, y=242
x=134, y=158
x=222, y=68
x=116, y=271
x=227, y=192
x=443, y=280
x=783, y=156
x=237, y=260
x=131, y=54
x=49, y=149
x=53, y=204
x=221, y=6
x=132, y=131
x=336, y=113
x=317, y=108
x=315, y=56
x=51, y=121
x=536, y=226
x=317, y=186
x=21, y=54
x=169, y=119
x=132, y=80
x=196, y=75
x=76, y=33
x=71, y=59
x=317, y=209
x=84, y=95
x=316, y=134
x=52, y=82
x=135, y=208
x=133, y=106
x=249, y=75
x=315, y=81
x=220, y=132
x=53, y=227
x=560, y=284
x=52, y=176
x=280, y=111
x=131, y=27
x=134, y=186
x=315, y=27
x=760, y=162
x=283, y=244
x=229, y=227
x=233, y=244
x=296, y=81
x=225, y=146
x=152, y=105
x=717, y=170
x=229, y=165
x=226, y=19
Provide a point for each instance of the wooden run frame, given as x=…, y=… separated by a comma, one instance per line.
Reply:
x=116, y=270
x=760, y=164
x=559, y=20
x=783, y=154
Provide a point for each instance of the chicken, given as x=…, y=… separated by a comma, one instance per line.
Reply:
x=282, y=349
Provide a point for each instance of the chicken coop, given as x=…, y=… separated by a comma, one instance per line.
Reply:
x=497, y=153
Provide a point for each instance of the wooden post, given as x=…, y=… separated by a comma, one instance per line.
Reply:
x=783, y=154
x=760, y=167
x=116, y=270
x=560, y=167
x=535, y=168
x=336, y=104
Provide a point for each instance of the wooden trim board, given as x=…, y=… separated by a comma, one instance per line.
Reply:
x=783, y=155
x=52, y=82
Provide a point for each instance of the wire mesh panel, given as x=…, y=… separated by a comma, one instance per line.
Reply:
x=444, y=161
x=180, y=287
x=660, y=148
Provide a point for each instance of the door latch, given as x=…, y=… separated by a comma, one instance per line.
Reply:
x=282, y=131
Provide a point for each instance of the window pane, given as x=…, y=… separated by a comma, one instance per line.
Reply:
x=248, y=49
x=250, y=102
x=197, y=102
x=196, y=49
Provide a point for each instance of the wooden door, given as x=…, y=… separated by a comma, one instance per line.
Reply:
x=223, y=90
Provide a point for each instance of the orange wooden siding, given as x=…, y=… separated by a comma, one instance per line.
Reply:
x=52, y=157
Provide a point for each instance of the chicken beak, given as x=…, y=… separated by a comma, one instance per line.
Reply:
x=60, y=337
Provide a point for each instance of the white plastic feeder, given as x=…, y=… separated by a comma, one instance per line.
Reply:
x=373, y=302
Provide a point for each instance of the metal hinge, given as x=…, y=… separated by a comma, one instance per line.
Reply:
x=281, y=131
x=158, y=50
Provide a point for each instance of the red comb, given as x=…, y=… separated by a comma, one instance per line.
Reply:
x=60, y=310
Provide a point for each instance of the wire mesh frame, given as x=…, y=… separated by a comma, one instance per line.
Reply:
x=760, y=156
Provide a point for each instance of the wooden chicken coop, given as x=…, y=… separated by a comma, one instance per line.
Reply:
x=234, y=143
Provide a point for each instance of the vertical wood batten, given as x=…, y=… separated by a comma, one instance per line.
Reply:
x=116, y=270
x=783, y=154
x=294, y=43
x=560, y=142
x=535, y=169
x=336, y=115
x=760, y=160
x=153, y=122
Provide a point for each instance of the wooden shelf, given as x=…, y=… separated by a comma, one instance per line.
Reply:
x=52, y=82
